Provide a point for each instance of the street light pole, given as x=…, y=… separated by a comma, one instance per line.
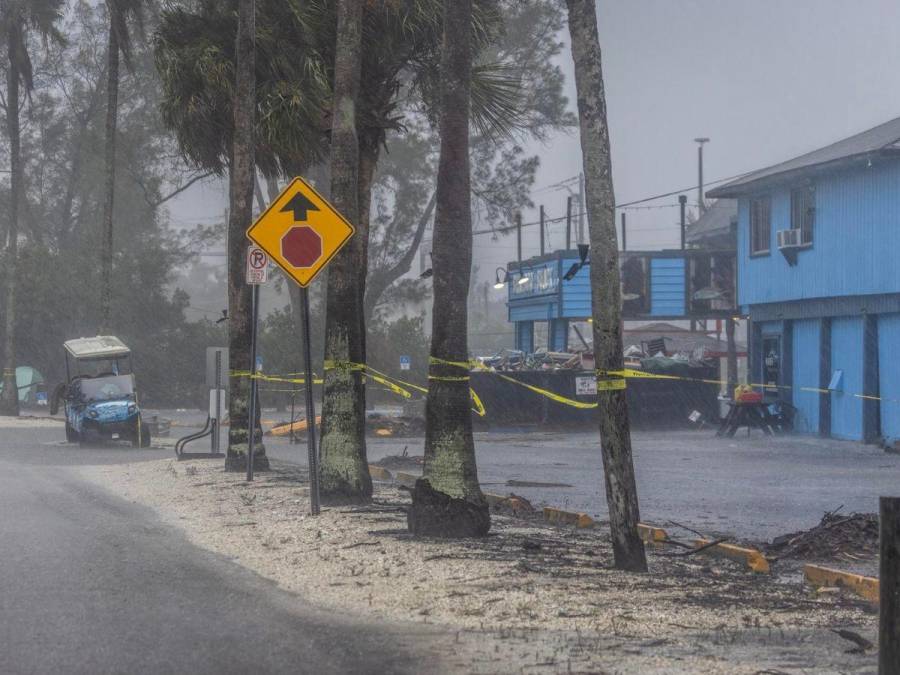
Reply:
x=700, y=142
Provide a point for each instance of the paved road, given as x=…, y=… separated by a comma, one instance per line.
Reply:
x=90, y=583
x=754, y=488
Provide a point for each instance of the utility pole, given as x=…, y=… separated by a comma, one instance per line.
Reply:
x=519, y=238
x=624, y=235
x=568, y=222
x=702, y=204
x=682, y=201
x=542, y=229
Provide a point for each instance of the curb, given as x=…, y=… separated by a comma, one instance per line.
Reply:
x=752, y=558
x=379, y=473
x=560, y=517
x=514, y=503
x=652, y=535
x=865, y=587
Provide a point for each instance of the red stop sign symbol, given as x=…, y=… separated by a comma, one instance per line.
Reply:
x=301, y=246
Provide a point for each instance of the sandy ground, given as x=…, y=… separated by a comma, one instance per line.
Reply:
x=528, y=598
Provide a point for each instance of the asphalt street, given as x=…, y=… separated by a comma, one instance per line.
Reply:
x=90, y=583
x=752, y=488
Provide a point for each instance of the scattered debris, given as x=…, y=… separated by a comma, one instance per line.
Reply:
x=401, y=461
x=853, y=535
x=535, y=484
x=862, y=645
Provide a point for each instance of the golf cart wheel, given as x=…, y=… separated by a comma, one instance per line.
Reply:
x=71, y=435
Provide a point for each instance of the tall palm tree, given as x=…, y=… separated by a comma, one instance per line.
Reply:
x=17, y=18
x=448, y=501
x=241, y=183
x=401, y=40
x=121, y=14
x=615, y=434
x=345, y=472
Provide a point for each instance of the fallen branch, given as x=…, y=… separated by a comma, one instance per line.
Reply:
x=362, y=543
x=699, y=549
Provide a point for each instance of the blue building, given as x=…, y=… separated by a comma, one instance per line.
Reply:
x=656, y=285
x=819, y=276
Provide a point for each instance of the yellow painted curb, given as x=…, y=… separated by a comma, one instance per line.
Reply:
x=516, y=504
x=379, y=473
x=560, y=517
x=865, y=587
x=651, y=534
x=754, y=559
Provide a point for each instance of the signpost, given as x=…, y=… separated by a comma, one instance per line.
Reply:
x=300, y=232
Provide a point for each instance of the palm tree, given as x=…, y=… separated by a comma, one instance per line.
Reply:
x=17, y=17
x=345, y=471
x=241, y=183
x=448, y=501
x=195, y=58
x=121, y=13
x=615, y=434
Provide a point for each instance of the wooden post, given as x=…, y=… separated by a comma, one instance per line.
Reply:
x=889, y=575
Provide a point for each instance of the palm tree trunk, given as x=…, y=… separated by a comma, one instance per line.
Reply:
x=9, y=400
x=447, y=501
x=241, y=182
x=615, y=434
x=345, y=469
x=112, y=103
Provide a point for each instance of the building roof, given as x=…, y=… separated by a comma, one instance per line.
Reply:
x=714, y=228
x=100, y=347
x=881, y=140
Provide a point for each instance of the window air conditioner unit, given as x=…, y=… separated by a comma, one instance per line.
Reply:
x=789, y=242
x=790, y=238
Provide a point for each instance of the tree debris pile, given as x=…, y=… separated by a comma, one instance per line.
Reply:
x=851, y=536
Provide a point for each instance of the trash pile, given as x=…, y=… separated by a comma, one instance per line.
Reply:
x=852, y=536
x=512, y=360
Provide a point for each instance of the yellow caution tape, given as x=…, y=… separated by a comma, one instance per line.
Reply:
x=549, y=394
x=611, y=385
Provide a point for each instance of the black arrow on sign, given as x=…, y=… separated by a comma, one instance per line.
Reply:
x=299, y=204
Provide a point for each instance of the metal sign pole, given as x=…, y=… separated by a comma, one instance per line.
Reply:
x=217, y=423
x=251, y=422
x=310, y=408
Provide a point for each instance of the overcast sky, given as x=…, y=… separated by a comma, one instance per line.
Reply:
x=764, y=79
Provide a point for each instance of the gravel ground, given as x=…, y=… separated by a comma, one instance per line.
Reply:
x=528, y=598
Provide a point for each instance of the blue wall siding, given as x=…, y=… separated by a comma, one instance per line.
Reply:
x=806, y=360
x=525, y=336
x=855, y=241
x=847, y=355
x=889, y=374
x=576, y=294
x=539, y=311
x=667, y=287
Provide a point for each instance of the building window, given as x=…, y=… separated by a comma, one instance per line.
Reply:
x=803, y=212
x=760, y=225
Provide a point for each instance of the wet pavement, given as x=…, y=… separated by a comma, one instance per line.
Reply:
x=748, y=487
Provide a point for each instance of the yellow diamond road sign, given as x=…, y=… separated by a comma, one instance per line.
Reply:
x=301, y=231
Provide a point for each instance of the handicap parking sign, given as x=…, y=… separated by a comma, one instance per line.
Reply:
x=405, y=362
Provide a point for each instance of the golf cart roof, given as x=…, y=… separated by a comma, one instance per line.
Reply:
x=100, y=347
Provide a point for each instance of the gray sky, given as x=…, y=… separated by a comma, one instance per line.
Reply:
x=764, y=79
